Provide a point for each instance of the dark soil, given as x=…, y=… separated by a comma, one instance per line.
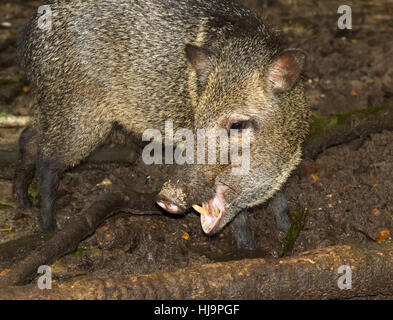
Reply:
x=347, y=190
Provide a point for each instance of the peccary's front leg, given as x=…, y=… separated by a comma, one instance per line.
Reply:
x=48, y=175
x=279, y=206
x=242, y=231
x=241, y=224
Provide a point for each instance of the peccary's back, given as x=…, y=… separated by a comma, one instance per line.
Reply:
x=133, y=50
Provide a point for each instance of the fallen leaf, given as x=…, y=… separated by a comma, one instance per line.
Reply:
x=103, y=229
x=376, y=211
x=105, y=182
x=185, y=236
x=314, y=178
x=343, y=189
x=307, y=169
x=354, y=93
x=4, y=272
x=384, y=235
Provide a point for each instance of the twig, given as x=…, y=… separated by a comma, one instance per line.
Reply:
x=67, y=239
x=11, y=121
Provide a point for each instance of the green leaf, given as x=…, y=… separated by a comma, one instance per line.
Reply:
x=7, y=204
x=77, y=252
x=293, y=231
x=33, y=190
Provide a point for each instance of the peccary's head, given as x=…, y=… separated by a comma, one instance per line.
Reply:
x=258, y=95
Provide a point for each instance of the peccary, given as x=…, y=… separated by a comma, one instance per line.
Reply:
x=200, y=64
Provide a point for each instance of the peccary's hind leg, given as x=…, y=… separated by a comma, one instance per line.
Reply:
x=62, y=146
x=48, y=171
x=25, y=168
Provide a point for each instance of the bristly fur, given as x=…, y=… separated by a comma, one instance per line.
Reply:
x=125, y=61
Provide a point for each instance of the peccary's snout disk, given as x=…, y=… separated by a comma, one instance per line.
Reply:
x=169, y=206
x=172, y=198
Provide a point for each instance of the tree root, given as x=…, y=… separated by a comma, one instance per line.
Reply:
x=342, y=128
x=67, y=239
x=311, y=275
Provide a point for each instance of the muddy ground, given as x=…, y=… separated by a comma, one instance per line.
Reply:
x=347, y=190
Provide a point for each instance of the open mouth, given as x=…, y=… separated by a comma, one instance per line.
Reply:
x=212, y=211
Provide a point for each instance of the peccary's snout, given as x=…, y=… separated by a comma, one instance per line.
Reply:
x=172, y=198
x=176, y=198
x=169, y=205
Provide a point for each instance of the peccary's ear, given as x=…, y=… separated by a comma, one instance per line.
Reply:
x=200, y=59
x=285, y=69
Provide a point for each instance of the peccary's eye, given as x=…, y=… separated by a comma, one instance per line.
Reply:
x=240, y=125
